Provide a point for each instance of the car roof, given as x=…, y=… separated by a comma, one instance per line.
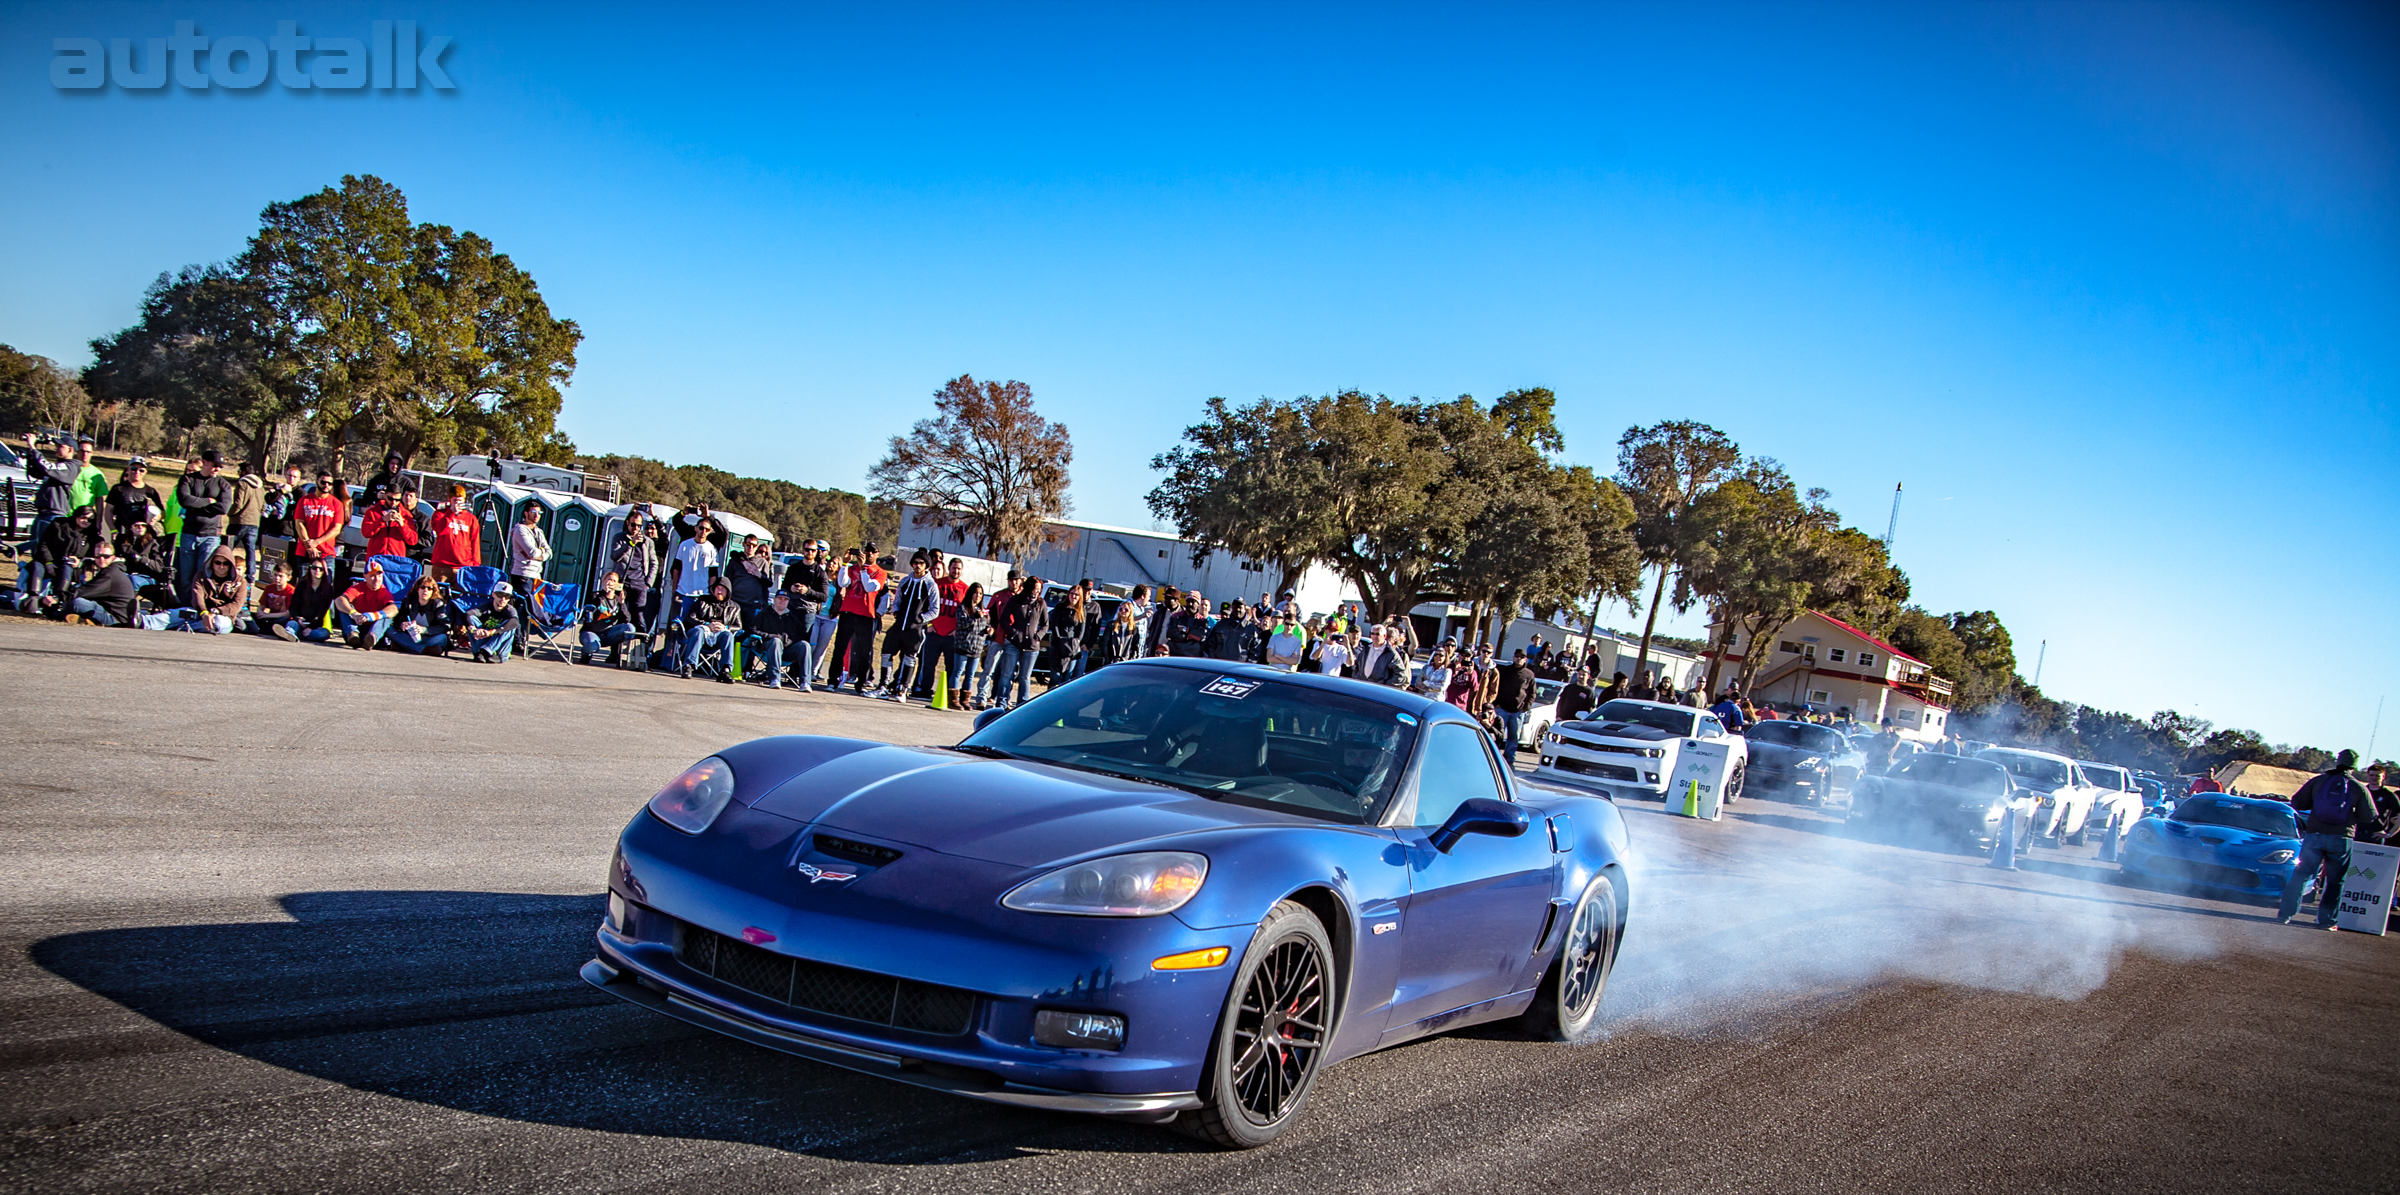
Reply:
x=2022, y=751
x=1399, y=699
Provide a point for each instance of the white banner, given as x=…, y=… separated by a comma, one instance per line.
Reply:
x=2367, y=888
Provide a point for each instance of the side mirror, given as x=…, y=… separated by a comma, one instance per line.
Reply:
x=1481, y=815
x=985, y=718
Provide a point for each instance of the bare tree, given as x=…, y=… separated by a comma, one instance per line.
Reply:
x=985, y=464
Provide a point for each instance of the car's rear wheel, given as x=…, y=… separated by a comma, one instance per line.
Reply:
x=1271, y=1036
x=1733, y=783
x=1567, y=1005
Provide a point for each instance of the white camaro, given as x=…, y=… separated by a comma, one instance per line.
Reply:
x=1630, y=747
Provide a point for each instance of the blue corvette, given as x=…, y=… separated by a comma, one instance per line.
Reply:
x=1171, y=891
x=2212, y=840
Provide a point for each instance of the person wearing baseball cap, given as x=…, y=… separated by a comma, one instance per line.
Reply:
x=205, y=498
x=493, y=629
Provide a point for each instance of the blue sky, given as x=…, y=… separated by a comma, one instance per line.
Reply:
x=2112, y=288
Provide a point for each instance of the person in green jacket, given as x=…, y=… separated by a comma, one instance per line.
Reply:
x=90, y=484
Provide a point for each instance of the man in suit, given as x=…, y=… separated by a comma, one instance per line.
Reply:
x=1383, y=662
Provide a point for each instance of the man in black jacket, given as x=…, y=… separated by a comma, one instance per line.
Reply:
x=1384, y=661
x=783, y=628
x=106, y=597
x=1186, y=632
x=1514, y=698
x=1235, y=637
x=206, y=498
x=2333, y=806
x=1577, y=698
x=716, y=619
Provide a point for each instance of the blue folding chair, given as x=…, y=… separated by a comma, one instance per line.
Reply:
x=475, y=584
x=557, y=615
x=399, y=573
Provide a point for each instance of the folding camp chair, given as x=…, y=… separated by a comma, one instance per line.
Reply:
x=557, y=617
x=399, y=573
x=474, y=585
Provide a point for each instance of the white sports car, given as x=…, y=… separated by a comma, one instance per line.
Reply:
x=2116, y=800
x=2063, y=798
x=1630, y=747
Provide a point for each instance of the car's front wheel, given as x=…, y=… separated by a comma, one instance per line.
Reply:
x=1271, y=1036
x=1567, y=1005
x=1733, y=783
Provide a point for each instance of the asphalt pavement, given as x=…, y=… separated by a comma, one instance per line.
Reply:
x=296, y=918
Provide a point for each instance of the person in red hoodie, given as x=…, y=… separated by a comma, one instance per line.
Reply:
x=457, y=537
x=317, y=520
x=389, y=530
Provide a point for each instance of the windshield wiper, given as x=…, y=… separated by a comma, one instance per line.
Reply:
x=1136, y=777
x=986, y=752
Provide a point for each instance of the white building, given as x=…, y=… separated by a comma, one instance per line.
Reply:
x=1821, y=662
x=1121, y=558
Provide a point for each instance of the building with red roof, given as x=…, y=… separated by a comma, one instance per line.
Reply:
x=1821, y=663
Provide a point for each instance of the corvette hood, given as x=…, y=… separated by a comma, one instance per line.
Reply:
x=1013, y=812
x=1625, y=731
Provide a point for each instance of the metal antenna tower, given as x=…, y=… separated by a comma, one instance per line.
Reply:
x=2038, y=661
x=1893, y=528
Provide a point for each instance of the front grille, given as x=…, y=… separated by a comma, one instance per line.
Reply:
x=2206, y=873
x=856, y=852
x=824, y=988
x=1589, y=745
x=1606, y=771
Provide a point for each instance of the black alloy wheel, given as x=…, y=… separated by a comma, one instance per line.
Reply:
x=1567, y=1005
x=1733, y=783
x=1272, y=1035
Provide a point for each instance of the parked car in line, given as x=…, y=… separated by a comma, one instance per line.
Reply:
x=1951, y=797
x=2247, y=845
x=1537, y=720
x=1810, y=763
x=2062, y=797
x=2116, y=800
x=1631, y=747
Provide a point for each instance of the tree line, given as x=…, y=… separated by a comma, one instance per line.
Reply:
x=347, y=326
x=793, y=512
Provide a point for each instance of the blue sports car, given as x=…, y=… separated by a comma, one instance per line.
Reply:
x=1171, y=891
x=2212, y=840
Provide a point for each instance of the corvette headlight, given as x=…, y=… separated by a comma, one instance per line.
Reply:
x=1142, y=885
x=2277, y=857
x=693, y=800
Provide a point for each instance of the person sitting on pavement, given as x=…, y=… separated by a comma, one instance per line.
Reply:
x=2333, y=806
x=608, y=622
x=106, y=597
x=274, y=600
x=493, y=629
x=715, y=619
x=366, y=610
x=217, y=596
x=313, y=595
x=63, y=546
x=782, y=628
x=426, y=619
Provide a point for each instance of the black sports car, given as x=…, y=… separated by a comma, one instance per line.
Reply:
x=1806, y=761
x=1946, y=796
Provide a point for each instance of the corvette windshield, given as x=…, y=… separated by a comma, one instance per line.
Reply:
x=1796, y=734
x=1657, y=717
x=2260, y=819
x=1235, y=738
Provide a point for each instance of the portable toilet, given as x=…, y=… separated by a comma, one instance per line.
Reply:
x=495, y=512
x=545, y=504
x=740, y=531
x=575, y=540
x=612, y=525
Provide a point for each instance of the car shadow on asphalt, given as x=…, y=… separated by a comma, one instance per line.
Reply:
x=470, y=1001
